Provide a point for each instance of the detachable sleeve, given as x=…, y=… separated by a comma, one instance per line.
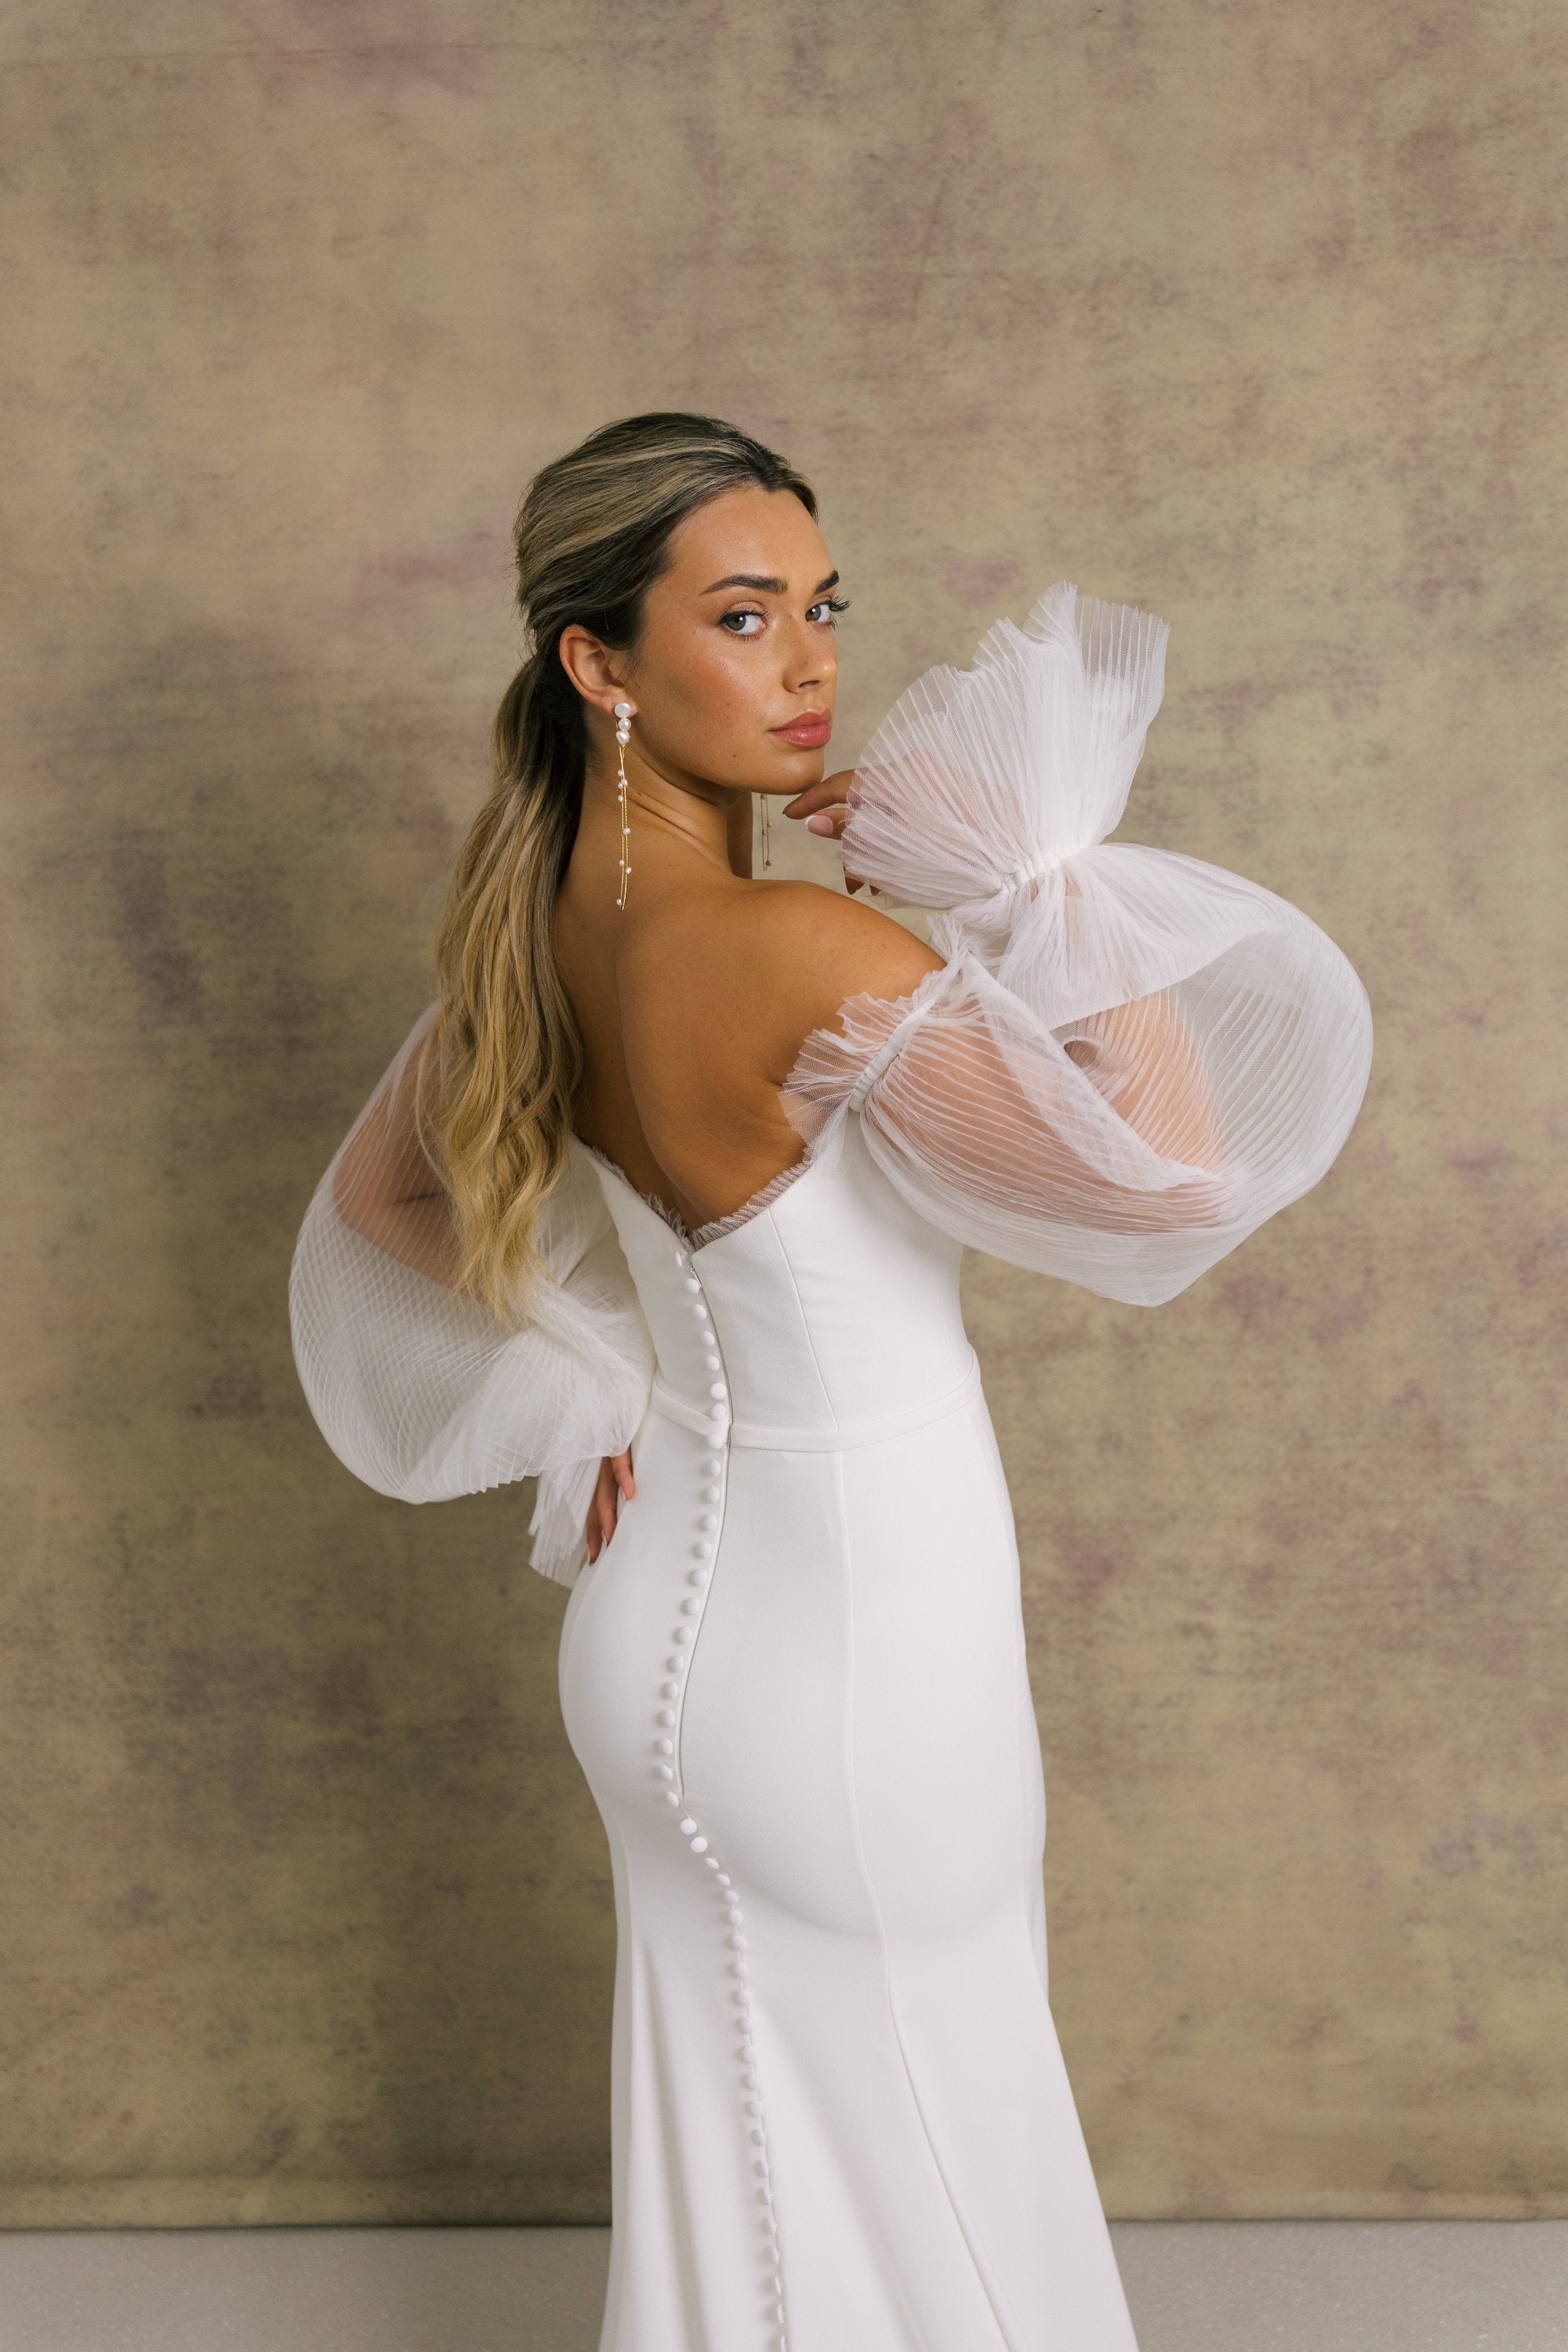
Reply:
x=1129, y=1058
x=420, y=1390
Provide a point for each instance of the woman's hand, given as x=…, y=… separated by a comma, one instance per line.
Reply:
x=826, y=809
x=616, y=1482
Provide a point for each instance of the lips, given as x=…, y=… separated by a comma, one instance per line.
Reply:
x=808, y=732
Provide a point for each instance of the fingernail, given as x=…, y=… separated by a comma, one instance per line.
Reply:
x=820, y=822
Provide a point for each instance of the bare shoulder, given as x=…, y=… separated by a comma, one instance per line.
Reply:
x=805, y=949
x=717, y=989
x=857, y=946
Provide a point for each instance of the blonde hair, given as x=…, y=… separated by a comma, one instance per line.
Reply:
x=592, y=535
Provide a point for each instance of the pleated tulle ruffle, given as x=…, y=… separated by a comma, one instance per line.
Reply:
x=1126, y=1061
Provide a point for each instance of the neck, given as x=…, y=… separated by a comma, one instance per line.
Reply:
x=681, y=813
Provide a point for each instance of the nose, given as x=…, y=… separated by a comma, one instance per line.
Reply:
x=810, y=659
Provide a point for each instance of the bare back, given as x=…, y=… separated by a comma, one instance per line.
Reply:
x=693, y=1001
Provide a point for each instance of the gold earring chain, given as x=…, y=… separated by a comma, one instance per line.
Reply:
x=623, y=737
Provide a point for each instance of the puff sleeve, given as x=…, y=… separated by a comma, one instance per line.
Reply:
x=1129, y=1058
x=419, y=1389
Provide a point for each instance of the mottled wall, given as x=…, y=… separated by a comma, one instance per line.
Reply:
x=1250, y=313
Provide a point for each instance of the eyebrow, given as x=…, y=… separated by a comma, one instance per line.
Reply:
x=769, y=587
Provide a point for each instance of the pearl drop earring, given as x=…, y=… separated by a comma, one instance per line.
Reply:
x=623, y=737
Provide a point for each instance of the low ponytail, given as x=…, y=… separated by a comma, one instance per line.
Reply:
x=505, y=1041
x=592, y=536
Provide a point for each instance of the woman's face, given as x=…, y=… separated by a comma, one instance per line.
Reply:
x=734, y=677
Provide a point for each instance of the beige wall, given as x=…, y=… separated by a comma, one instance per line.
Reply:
x=1251, y=314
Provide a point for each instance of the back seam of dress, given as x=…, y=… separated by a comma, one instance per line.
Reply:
x=806, y=1323
x=1021, y=1663
x=1006, y=2322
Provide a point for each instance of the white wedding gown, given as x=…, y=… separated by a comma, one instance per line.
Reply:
x=795, y=1678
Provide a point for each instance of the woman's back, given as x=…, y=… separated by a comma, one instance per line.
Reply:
x=692, y=1006
x=796, y=1676
x=693, y=985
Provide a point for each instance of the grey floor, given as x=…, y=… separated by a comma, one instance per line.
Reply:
x=1194, y=2286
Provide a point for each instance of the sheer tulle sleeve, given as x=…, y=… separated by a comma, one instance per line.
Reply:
x=1130, y=1058
x=418, y=1389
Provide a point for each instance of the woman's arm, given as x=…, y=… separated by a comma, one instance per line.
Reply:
x=420, y=1390
x=1133, y=1057
x=1119, y=1137
x=1144, y=1060
x=386, y=1185
x=986, y=1098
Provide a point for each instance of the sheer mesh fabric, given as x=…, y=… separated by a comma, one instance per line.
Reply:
x=1126, y=1061
x=420, y=1391
x=1130, y=1058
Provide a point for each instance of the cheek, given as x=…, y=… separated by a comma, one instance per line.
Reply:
x=723, y=673
x=720, y=696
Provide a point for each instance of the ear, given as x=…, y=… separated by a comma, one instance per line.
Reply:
x=594, y=670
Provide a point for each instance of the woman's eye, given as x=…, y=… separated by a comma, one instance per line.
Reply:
x=826, y=607
x=738, y=623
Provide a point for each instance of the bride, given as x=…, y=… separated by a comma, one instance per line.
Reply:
x=662, y=1201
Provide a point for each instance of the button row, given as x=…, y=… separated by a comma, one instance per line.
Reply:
x=667, y=1720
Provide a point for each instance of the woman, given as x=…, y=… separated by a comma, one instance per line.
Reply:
x=663, y=1201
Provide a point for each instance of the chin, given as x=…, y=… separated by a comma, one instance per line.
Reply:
x=799, y=765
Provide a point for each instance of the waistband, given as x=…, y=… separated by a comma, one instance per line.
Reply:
x=842, y=1440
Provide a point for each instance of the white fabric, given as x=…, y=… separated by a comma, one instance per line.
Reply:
x=1128, y=1061
x=795, y=1678
x=795, y=1681
x=421, y=1393
x=1224, y=1040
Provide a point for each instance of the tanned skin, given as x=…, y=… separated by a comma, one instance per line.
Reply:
x=694, y=999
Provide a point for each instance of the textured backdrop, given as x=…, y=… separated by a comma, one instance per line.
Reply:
x=1251, y=314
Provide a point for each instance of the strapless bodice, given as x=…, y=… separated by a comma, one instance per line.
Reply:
x=828, y=1315
x=1220, y=1049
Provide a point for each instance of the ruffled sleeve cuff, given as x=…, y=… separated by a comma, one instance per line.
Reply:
x=1130, y=1058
